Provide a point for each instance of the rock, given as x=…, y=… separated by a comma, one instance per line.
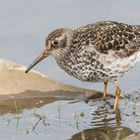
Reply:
x=14, y=80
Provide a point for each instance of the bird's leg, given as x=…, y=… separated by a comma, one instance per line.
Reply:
x=118, y=92
x=105, y=90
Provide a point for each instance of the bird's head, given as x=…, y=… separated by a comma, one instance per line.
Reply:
x=55, y=44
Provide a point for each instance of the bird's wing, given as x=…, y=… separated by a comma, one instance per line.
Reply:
x=121, y=39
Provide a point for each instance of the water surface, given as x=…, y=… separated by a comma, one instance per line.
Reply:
x=66, y=117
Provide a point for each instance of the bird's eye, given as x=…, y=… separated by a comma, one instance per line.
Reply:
x=55, y=42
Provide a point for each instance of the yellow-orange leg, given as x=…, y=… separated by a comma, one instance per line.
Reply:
x=105, y=90
x=118, y=92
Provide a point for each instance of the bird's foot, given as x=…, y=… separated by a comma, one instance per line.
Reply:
x=118, y=92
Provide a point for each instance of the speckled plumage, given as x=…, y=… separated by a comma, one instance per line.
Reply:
x=103, y=51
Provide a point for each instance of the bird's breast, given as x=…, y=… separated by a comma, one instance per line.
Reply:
x=88, y=66
x=85, y=67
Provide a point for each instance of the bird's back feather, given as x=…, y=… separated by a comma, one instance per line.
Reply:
x=122, y=40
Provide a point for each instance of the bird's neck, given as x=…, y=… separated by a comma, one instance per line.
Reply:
x=65, y=60
x=61, y=56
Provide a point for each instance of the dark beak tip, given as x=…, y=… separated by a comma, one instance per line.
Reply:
x=26, y=71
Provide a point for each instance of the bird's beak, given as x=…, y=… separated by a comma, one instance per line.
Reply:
x=42, y=55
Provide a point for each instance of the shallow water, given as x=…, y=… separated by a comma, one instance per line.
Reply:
x=65, y=117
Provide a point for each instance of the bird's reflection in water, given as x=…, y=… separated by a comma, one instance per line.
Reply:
x=106, y=124
x=104, y=115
